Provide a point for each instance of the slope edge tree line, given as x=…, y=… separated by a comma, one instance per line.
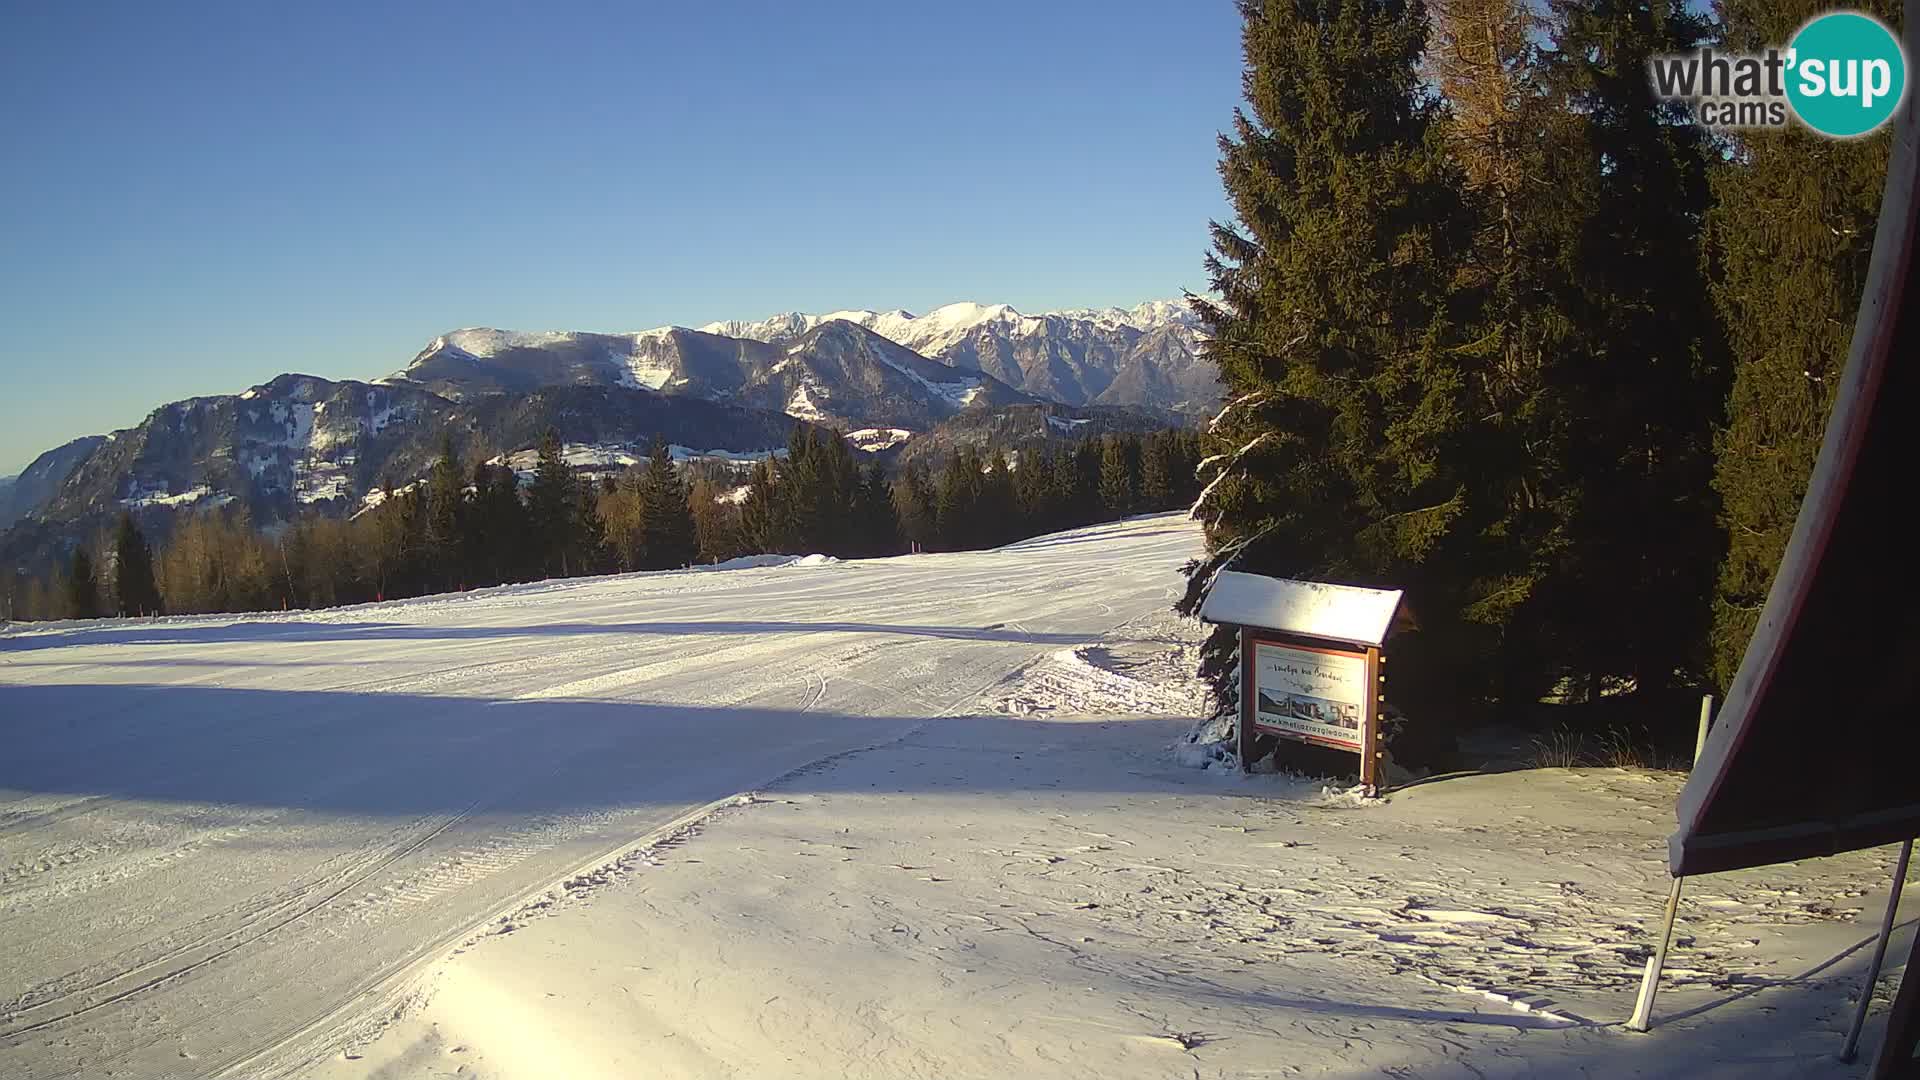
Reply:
x=1501, y=328
x=462, y=528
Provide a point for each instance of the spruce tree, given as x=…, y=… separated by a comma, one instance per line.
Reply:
x=761, y=526
x=1789, y=236
x=957, y=501
x=1340, y=454
x=83, y=588
x=1156, y=471
x=666, y=519
x=1033, y=493
x=135, y=592
x=1117, y=481
x=879, y=527
x=445, y=545
x=553, y=514
x=1642, y=401
x=914, y=505
x=997, y=509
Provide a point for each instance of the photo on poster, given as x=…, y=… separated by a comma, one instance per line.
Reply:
x=1310, y=694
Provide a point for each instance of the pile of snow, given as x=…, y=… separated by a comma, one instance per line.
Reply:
x=165, y=498
x=379, y=495
x=815, y=560
x=874, y=440
x=1147, y=668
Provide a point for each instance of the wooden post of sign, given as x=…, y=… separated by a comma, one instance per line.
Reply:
x=1370, y=748
x=1244, y=745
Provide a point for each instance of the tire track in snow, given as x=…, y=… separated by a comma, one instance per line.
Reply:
x=99, y=995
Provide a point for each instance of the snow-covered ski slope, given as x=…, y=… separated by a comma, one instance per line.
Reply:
x=219, y=832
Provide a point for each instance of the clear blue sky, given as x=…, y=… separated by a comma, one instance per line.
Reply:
x=197, y=197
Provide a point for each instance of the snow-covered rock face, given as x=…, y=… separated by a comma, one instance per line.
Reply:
x=1146, y=355
x=38, y=482
x=874, y=440
x=844, y=374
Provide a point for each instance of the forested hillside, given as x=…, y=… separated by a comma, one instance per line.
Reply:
x=1501, y=328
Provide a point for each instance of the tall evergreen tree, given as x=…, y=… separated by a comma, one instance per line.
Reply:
x=1033, y=493
x=134, y=590
x=83, y=587
x=553, y=514
x=445, y=543
x=1340, y=452
x=878, y=527
x=496, y=525
x=1643, y=400
x=1157, y=470
x=761, y=526
x=1789, y=237
x=1118, y=476
x=997, y=510
x=666, y=519
x=914, y=504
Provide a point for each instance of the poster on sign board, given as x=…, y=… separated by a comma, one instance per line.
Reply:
x=1315, y=695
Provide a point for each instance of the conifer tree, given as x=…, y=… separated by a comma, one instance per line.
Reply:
x=666, y=519
x=1157, y=470
x=997, y=509
x=957, y=501
x=553, y=514
x=134, y=590
x=1340, y=454
x=445, y=546
x=1117, y=477
x=761, y=525
x=83, y=588
x=879, y=527
x=1642, y=401
x=1032, y=492
x=1789, y=235
x=914, y=504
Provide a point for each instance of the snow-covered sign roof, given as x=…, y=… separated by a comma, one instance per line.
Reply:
x=1310, y=608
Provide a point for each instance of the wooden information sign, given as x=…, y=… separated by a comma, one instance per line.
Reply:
x=1310, y=662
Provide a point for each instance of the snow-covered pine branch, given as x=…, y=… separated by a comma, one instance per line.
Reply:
x=1194, y=510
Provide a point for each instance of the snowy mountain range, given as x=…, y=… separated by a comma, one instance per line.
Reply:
x=837, y=367
x=1146, y=356
x=834, y=372
x=963, y=374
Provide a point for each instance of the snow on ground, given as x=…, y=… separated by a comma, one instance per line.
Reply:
x=874, y=440
x=1041, y=892
x=192, y=495
x=227, y=842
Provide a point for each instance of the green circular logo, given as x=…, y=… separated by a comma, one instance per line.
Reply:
x=1847, y=74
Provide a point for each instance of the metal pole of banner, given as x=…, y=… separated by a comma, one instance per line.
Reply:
x=1642, y=1019
x=1879, y=953
x=1706, y=716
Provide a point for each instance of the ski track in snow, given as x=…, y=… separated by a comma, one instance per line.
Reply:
x=1036, y=889
x=216, y=830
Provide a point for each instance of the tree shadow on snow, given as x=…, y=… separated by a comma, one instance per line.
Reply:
x=304, y=632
